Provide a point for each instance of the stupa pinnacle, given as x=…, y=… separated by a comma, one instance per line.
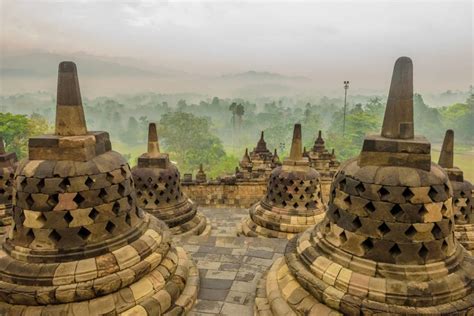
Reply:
x=79, y=245
x=387, y=243
x=293, y=200
x=159, y=191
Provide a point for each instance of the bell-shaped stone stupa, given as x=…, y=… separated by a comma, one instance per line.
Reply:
x=462, y=194
x=158, y=186
x=8, y=163
x=79, y=245
x=387, y=243
x=293, y=200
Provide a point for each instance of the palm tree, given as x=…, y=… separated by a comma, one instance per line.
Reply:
x=233, y=109
x=239, y=111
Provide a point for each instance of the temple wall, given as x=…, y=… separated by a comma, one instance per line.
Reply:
x=240, y=194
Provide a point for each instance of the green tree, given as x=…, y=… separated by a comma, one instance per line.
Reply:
x=16, y=129
x=190, y=140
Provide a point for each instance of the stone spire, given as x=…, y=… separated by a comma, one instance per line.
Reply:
x=159, y=190
x=153, y=144
x=77, y=234
x=293, y=200
x=398, y=119
x=398, y=146
x=70, y=119
x=261, y=145
x=446, y=155
x=296, y=151
x=275, y=158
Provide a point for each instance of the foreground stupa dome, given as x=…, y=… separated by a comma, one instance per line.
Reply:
x=79, y=245
x=159, y=192
x=387, y=243
x=8, y=163
x=293, y=200
x=462, y=194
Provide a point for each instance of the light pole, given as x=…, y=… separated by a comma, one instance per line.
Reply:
x=346, y=86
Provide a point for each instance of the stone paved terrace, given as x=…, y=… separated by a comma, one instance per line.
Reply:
x=229, y=266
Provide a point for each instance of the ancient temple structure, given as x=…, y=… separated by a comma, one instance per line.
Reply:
x=321, y=159
x=293, y=200
x=157, y=181
x=259, y=163
x=79, y=245
x=8, y=163
x=462, y=194
x=387, y=243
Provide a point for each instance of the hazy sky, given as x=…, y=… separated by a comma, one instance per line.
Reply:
x=326, y=40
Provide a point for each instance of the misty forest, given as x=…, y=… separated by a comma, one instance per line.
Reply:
x=215, y=131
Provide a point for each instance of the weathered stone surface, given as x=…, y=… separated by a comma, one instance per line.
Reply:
x=389, y=227
x=79, y=244
x=293, y=201
x=159, y=191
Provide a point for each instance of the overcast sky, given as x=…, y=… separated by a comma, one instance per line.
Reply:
x=326, y=40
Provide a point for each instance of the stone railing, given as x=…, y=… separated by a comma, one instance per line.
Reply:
x=229, y=192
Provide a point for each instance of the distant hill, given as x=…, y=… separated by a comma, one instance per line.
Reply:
x=45, y=64
x=263, y=75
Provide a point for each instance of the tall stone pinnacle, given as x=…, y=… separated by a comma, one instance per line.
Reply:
x=153, y=145
x=296, y=144
x=446, y=155
x=70, y=119
x=398, y=119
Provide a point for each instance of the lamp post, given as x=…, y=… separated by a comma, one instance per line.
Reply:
x=346, y=86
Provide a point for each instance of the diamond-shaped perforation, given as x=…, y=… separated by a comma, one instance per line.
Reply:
x=128, y=220
x=89, y=182
x=410, y=232
x=29, y=234
x=343, y=237
x=65, y=184
x=395, y=251
x=383, y=229
x=93, y=214
x=437, y=232
x=367, y=245
x=84, y=233
x=360, y=188
x=383, y=193
x=78, y=199
x=110, y=227
x=54, y=236
x=396, y=211
x=369, y=207
x=432, y=193
x=422, y=211
x=423, y=252
x=68, y=217
x=336, y=215
x=407, y=194
x=356, y=223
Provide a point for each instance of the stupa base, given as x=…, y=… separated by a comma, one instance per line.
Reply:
x=198, y=226
x=276, y=223
x=157, y=280
x=306, y=282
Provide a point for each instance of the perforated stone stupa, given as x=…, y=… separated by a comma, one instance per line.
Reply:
x=293, y=200
x=157, y=181
x=462, y=193
x=79, y=245
x=8, y=163
x=387, y=243
x=321, y=159
x=259, y=164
